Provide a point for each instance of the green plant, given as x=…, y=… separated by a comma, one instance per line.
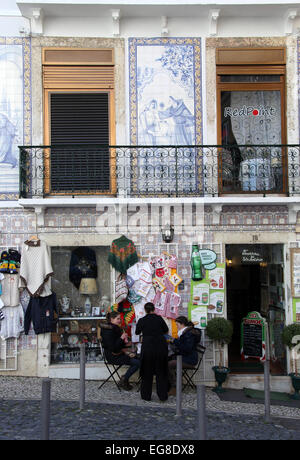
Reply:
x=288, y=333
x=220, y=330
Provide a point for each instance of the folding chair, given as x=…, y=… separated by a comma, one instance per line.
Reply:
x=112, y=369
x=193, y=369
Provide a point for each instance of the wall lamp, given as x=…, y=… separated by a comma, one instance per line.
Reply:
x=167, y=233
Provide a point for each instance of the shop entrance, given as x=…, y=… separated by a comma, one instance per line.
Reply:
x=254, y=282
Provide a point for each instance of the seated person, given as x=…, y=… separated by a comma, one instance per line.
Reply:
x=188, y=339
x=114, y=341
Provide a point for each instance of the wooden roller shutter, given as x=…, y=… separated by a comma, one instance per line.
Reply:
x=78, y=119
x=78, y=77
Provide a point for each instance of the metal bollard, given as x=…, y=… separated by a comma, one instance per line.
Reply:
x=45, y=409
x=201, y=411
x=178, y=385
x=82, y=376
x=267, y=378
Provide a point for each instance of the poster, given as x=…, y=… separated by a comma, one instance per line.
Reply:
x=216, y=302
x=217, y=277
x=198, y=315
x=296, y=310
x=200, y=293
x=295, y=272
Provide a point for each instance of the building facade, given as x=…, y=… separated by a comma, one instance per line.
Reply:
x=119, y=119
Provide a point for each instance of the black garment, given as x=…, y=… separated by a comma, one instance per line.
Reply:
x=83, y=264
x=186, y=345
x=41, y=311
x=154, y=356
x=113, y=344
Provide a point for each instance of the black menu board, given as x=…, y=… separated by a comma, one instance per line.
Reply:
x=252, y=335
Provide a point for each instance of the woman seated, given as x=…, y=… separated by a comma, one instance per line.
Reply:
x=186, y=346
x=114, y=341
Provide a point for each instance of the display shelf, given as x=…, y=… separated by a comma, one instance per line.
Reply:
x=71, y=318
x=83, y=328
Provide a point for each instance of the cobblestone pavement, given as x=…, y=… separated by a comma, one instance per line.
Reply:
x=113, y=415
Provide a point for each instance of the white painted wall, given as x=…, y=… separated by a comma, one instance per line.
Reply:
x=93, y=18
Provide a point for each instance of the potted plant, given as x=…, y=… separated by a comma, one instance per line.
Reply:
x=288, y=333
x=220, y=330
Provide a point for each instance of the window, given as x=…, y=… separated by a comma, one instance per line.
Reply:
x=251, y=127
x=79, y=122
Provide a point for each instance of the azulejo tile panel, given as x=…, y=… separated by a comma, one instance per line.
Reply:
x=166, y=109
x=15, y=110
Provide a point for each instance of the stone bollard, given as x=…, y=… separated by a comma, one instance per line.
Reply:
x=178, y=385
x=45, y=409
x=201, y=412
x=82, y=377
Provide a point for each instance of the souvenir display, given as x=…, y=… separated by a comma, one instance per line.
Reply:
x=122, y=254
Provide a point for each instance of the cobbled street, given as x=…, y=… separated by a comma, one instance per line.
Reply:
x=112, y=415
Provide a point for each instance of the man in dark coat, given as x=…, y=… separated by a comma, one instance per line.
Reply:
x=154, y=354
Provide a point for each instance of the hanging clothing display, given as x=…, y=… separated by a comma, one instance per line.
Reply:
x=13, y=322
x=1, y=302
x=36, y=269
x=10, y=261
x=43, y=312
x=122, y=254
x=10, y=290
x=83, y=264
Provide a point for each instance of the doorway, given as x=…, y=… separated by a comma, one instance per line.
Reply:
x=254, y=282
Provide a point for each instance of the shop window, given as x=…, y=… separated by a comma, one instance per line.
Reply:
x=251, y=128
x=81, y=311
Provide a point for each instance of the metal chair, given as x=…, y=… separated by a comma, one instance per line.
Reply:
x=192, y=369
x=113, y=369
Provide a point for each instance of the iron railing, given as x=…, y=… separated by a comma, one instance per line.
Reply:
x=171, y=171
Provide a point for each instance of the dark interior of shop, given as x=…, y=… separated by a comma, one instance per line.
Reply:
x=255, y=286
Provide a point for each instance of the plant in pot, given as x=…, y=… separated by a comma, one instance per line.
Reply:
x=220, y=331
x=289, y=332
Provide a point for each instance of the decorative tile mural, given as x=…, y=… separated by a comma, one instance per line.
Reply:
x=15, y=110
x=166, y=108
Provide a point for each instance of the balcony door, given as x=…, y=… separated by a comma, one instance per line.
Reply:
x=251, y=129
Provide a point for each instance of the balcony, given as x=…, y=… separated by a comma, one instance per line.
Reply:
x=158, y=171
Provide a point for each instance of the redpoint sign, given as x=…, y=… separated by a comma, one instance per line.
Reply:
x=249, y=111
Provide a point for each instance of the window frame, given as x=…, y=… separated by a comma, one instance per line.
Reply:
x=253, y=86
x=47, y=140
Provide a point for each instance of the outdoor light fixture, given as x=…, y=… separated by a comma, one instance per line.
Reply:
x=167, y=233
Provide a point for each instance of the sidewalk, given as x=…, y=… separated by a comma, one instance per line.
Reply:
x=20, y=388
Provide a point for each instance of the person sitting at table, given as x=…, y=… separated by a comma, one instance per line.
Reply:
x=186, y=346
x=114, y=342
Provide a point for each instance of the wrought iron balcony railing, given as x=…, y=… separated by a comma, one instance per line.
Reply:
x=170, y=171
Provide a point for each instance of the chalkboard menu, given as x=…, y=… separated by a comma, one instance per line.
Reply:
x=253, y=336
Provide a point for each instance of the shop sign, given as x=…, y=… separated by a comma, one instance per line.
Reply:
x=208, y=258
x=249, y=256
x=253, y=336
x=247, y=111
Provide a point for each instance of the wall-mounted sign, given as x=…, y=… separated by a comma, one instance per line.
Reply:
x=247, y=111
x=208, y=258
x=253, y=336
x=249, y=256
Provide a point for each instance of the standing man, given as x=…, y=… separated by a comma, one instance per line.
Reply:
x=154, y=355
